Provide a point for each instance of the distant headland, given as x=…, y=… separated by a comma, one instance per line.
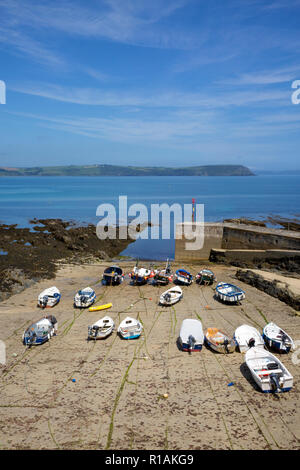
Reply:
x=115, y=170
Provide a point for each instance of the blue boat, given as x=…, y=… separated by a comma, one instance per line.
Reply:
x=229, y=292
x=277, y=339
x=183, y=277
x=113, y=275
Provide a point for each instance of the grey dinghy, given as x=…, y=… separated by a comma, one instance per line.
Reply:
x=40, y=332
x=267, y=371
x=101, y=329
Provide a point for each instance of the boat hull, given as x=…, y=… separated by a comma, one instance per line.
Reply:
x=205, y=277
x=130, y=336
x=185, y=347
x=269, y=374
x=100, y=335
x=191, y=336
x=220, y=348
x=49, y=298
x=229, y=293
x=38, y=333
x=273, y=337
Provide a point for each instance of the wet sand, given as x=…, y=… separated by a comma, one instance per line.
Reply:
x=116, y=401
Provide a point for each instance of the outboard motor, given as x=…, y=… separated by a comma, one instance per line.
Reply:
x=44, y=301
x=274, y=381
x=168, y=297
x=286, y=341
x=95, y=330
x=251, y=343
x=82, y=299
x=226, y=342
x=191, y=342
x=31, y=338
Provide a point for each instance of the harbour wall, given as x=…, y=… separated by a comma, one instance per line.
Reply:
x=246, y=240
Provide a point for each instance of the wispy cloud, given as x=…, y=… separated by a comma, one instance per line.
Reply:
x=127, y=22
x=171, y=98
x=267, y=77
x=24, y=45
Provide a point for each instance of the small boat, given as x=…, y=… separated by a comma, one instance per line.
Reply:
x=130, y=328
x=219, y=341
x=191, y=337
x=140, y=276
x=40, y=332
x=183, y=277
x=277, y=339
x=171, y=296
x=268, y=372
x=163, y=276
x=99, y=307
x=229, y=292
x=49, y=297
x=205, y=276
x=84, y=298
x=113, y=276
x=247, y=337
x=101, y=329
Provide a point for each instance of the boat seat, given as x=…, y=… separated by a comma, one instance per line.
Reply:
x=268, y=372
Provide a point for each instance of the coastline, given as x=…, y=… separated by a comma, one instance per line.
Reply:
x=30, y=254
x=33, y=253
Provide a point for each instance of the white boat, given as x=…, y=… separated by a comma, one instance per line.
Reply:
x=277, y=338
x=183, y=277
x=101, y=329
x=229, y=292
x=171, y=296
x=140, y=276
x=130, y=328
x=248, y=337
x=84, y=297
x=49, y=297
x=40, y=332
x=267, y=371
x=219, y=341
x=191, y=336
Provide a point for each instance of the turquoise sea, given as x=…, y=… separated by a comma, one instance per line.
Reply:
x=77, y=198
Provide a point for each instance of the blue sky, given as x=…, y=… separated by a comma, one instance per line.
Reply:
x=150, y=82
